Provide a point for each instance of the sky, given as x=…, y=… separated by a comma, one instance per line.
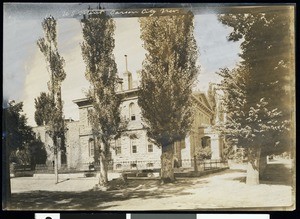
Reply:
x=25, y=73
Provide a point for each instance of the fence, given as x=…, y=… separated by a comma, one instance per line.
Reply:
x=21, y=170
x=43, y=168
x=211, y=164
x=133, y=165
x=120, y=165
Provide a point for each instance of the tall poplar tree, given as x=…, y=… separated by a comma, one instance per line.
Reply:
x=258, y=94
x=101, y=72
x=56, y=127
x=167, y=77
x=43, y=107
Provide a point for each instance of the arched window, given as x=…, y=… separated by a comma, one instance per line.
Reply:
x=205, y=141
x=132, y=111
x=133, y=143
x=91, y=147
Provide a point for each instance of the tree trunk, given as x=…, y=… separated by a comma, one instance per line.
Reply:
x=167, y=164
x=195, y=164
x=6, y=188
x=56, y=167
x=253, y=168
x=55, y=144
x=103, y=179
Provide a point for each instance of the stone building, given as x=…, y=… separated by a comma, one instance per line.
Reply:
x=133, y=150
x=70, y=154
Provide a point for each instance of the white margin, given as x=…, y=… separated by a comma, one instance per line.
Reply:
x=233, y=216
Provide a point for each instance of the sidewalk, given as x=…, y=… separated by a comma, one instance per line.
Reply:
x=222, y=190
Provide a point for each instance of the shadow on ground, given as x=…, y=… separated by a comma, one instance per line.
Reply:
x=98, y=200
x=274, y=174
x=277, y=174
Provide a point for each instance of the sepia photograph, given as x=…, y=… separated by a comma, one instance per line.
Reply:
x=148, y=107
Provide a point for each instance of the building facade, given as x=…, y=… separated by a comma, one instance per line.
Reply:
x=133, y=150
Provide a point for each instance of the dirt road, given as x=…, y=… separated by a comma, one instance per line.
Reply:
x=217, y=191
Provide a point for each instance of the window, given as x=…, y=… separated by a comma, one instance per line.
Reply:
x=118, y=147
x=133, y=144
x=132, y=111
x=134, y=149
x=205, y=141
x=91, y=147
x=119, y=166
x=118, y=150
x=150, y=148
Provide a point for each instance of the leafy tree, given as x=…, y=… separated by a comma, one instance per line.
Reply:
x=101, y=72
x=263, y=80
x=56, y=127
x=43, y=109
x=267, y=52
x=19, y=143
x=251, y=126
x=37, y=151
x=12, y=139
x=18, y=133
x=25, y=148
x=168, y=74
x=212, y=95
x=204, y=153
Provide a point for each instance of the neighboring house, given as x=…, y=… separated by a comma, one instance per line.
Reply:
x=69, y=155
x=133, y=150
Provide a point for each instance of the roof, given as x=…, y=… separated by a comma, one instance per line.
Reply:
x=199, y=97
x=82, y=102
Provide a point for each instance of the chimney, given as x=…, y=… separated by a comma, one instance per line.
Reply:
x=127, y=77
x=126, y=63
